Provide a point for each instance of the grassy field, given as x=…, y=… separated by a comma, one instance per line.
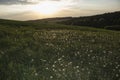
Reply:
x=58, y=52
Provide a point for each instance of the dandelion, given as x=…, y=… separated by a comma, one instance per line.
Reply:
x=77, y=66
x=59, y=59
x=81, y=62
x=88, y=72
x=91, y=50
x=63, y=69
x=66, y=65
x=63, y=56
x=61, y=64
x=78, y=52
x=119, y=70
x=83, y=69
x=2, y=52
x=88, y=55
x=47, y=44
x=104, y=51
x=74, y=67
x=113, y=69
x=59, y=69
x=43, y=60
x=89, y=63
x=51, y=77
x=54, y=35
x=117, y=75
x=53, y=69
x=104, y=65
x=55, y=61
x=93, y=40
x=32, y=60
x=116, y=62
x=69, y=63
x=53, y=65
x=110, y=52
x=75, y=54
x=46, y=68
x=116, y=67
x=36, y=74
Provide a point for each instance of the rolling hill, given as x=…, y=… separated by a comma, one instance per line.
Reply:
x=108, y=20
x=49, y=51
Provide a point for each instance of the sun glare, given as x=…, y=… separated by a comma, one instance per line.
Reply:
x=47, y=7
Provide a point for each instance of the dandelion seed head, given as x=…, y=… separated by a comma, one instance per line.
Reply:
x=36, y=74
x=51, y=77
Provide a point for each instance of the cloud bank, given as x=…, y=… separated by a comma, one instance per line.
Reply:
x=24, y=2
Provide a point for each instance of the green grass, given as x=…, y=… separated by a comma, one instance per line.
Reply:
x=58, y=52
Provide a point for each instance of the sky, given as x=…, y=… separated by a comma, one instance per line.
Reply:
x=38, y=9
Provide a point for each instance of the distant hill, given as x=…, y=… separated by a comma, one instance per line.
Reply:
x=14, y=23
x=54, y=20
x=107, y=20
x=10, y=22
x=100, y=21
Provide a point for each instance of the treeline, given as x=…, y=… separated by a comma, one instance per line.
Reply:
x=107, y=20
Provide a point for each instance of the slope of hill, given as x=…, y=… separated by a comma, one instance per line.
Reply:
x=99, y=21
x=14, y=23
x=107, y=21
x=53, y=20
x=58, y=52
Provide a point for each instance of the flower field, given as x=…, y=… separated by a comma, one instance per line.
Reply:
x=62, y=54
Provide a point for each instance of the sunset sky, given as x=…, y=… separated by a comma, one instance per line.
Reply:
x=37, y=9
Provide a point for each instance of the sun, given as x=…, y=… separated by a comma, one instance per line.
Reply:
x=47, y=7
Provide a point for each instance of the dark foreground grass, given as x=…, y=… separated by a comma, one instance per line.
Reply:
x=49, y=53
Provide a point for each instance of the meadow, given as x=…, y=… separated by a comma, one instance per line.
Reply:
x=58, y=52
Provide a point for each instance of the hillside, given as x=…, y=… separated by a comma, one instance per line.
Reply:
x=52, y=20
x=98, y=21
x=108, y=21
x=48, y=51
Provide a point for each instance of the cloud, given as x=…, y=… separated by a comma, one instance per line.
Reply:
x=12, y=2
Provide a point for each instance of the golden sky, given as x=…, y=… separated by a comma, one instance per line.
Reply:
x=37, y=9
